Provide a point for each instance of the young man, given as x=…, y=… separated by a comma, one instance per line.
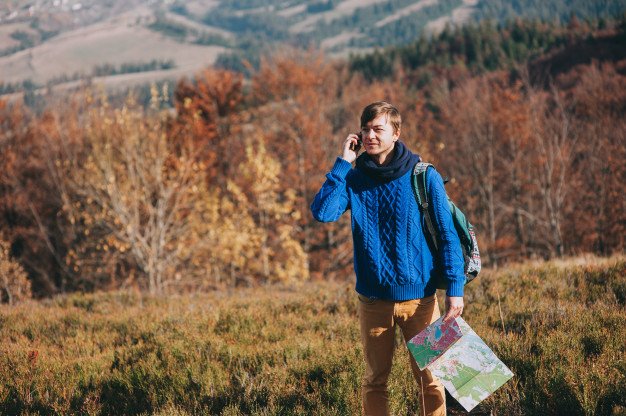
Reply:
x=393, y=263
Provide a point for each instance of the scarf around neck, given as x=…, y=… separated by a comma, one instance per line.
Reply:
x=401, y=162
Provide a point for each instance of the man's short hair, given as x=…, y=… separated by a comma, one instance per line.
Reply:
x=378, y=108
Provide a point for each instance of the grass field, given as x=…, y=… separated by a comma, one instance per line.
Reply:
x=559, y=326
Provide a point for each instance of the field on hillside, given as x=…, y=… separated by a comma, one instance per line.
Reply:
x=117, y=41
x=559, y=326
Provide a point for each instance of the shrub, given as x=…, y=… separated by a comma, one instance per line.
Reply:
x=14, y=283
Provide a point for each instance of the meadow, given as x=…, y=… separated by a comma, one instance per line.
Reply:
x=294, y=350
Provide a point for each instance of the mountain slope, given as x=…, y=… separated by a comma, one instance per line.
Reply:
x=56, y=41
x=63, y=40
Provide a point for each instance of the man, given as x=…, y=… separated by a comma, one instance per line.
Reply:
x=393, y=263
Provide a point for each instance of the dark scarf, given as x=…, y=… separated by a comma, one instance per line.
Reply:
x=402, y=161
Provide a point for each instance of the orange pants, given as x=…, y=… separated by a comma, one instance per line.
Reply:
x=377, y=319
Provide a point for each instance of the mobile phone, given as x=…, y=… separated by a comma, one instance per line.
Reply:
x=356, y=147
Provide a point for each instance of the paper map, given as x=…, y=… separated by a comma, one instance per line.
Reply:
x=464, y=364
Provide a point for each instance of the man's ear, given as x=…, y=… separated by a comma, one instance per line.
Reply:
x=396, y=135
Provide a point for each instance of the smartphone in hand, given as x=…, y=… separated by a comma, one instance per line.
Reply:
x=356, y=147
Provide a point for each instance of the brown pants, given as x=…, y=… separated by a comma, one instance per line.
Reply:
x=377, y=319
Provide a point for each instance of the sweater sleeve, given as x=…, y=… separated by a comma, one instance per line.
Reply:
x=450, y=251
x=332, y=199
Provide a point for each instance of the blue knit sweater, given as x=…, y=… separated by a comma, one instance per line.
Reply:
x=392, y=259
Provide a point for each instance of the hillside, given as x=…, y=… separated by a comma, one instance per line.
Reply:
x=53, y=42
x=545, y=50
x=61, y=41
x=119, y=40
x=295, y=350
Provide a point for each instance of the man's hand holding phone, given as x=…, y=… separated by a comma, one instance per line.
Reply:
x=351, y=147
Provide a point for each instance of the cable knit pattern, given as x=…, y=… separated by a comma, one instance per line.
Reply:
x=370, y=237
x=392, y=259
x=387, y=231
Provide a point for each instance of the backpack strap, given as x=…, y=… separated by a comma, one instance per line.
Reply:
x=419, y=189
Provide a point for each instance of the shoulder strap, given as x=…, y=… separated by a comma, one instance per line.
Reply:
x=419, y=187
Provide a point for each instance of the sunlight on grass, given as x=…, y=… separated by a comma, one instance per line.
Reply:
x=559, y=326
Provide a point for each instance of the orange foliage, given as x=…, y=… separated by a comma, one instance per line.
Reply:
x=205, y=112
x=28, y=200
x=217, y=192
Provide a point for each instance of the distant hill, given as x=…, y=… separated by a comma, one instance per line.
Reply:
x=57, y=42
x=546, y=49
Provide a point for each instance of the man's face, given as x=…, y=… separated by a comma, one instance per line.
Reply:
x=378, y=136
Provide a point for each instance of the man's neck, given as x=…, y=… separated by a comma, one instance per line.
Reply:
x=384, y=158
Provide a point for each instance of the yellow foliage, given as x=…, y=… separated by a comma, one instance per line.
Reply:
x=265, y=214
x=141, y=206
x=137, y=197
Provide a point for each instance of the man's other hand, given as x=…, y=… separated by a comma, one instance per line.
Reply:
x=454, y=307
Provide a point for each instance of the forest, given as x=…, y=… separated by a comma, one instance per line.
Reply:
x=208, y=185
x=487, y=46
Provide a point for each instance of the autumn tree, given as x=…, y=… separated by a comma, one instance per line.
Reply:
x=259, y=194
x=207, y=108
x=470, y=141
x=254, y=213
x=297, y=113
x=598, y=97
x=133, y=197
x=554, y=148
x=29, y=202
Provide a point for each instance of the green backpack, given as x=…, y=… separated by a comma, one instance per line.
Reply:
x=464, y=229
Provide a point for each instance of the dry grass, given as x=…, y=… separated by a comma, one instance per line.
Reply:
x=295, y=351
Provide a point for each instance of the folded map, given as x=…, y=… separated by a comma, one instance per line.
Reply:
x=464, y=364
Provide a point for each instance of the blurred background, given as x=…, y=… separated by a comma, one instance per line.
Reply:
x=175, y=145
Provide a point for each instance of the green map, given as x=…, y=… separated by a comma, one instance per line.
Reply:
x=464, y=364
